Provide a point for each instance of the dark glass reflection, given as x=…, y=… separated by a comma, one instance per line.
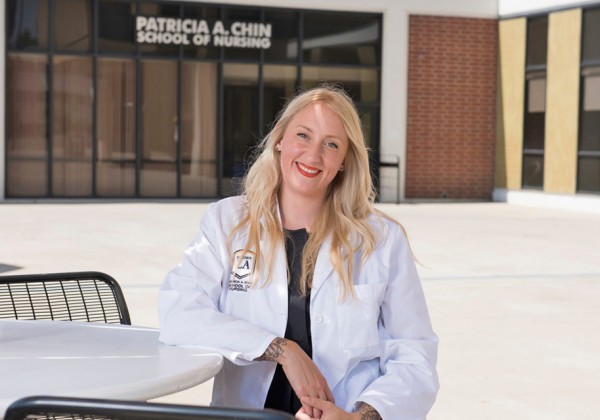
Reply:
x=535, y=114
x=116, y=26
x=284, y=40
x=27, y=24
x=590, y=115
x=240, y=122
x=201, y=12
x=160, y=10
x=588, y=174
x=591, y=35
x=537, y=41
x=361, y=84
x=343, y=38
x=246, y=16
x=279, y=85
x=73, y=25
x=533, y=171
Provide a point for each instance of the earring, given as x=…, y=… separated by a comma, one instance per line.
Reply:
x=341, y=168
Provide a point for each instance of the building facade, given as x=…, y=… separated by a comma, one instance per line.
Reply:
x=548, y=123
x=166, y=99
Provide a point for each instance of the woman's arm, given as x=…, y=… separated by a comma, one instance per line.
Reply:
x=408, y=384
x=304, y=376
x=189, y=298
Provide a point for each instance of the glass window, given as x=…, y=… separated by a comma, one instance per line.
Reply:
x=360, y=83
x=590, y=116
x=246, y=16
x=199, y=130
x=27, y=24
x=116, y=31
x=591, y=35
x=533, y=170
x=535, y=114
x=160, y=10
x=537, y=41
x=534, y=131
x=279, y=85
x=158, y=174
x=26, y=121
x=170, y=120
x=341, y=38
x=534, y=120
x=73, y=25
x=240, y=121
x=72, y=99
x=201, y=12
x=588, y=168
x=115, y=165
x=588, y=174
x=284, y=36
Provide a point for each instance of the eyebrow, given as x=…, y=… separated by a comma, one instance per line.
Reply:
x=328, y=136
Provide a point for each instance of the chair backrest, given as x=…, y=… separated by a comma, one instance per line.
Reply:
x=76, y=296
x=38, y=408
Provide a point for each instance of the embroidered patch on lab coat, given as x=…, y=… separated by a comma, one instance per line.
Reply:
x=242, y=270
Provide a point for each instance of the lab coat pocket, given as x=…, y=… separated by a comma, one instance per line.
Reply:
x=357, y=317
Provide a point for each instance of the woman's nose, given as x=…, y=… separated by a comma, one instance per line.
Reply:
x=314, y=150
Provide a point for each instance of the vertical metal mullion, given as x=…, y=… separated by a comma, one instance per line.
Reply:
x=300, y=59
x=179, y=113
x=179, y=110
x=261, y=86
x=50, y=97
x=377, y=133
x=95, y=32
x=138, y=111
x=220, y=111
x=220, y=138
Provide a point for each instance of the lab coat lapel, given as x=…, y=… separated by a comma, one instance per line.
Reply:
x=323, y=267
x=279, y=273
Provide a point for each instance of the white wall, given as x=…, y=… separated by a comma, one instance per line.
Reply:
x=523, y=7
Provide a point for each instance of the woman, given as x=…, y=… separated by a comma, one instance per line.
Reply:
x=309, y=293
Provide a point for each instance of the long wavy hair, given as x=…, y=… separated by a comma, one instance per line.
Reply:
x=348, y=202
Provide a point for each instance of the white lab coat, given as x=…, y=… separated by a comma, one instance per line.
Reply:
x=378, y=348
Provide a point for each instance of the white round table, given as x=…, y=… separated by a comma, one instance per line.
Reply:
x=95, y=360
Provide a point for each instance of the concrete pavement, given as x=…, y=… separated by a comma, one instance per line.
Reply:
x=513, y=291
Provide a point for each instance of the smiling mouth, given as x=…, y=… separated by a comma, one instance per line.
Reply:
x=307, y=171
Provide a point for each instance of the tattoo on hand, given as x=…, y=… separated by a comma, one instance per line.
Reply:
x=367, y=412
x=274, y=350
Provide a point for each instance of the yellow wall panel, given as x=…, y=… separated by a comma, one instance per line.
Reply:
x=510, y=102
x=562, y=101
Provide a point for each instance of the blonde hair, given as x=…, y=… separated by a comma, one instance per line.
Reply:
x=348, y=203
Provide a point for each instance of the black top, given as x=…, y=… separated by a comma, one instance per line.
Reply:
x=281, y=396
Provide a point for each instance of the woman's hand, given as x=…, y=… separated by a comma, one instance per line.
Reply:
x=332, y=412
x=304, y=376
x=329, y=411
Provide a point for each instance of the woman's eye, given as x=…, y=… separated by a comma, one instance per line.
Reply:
x=303, y=135
x=332, y=145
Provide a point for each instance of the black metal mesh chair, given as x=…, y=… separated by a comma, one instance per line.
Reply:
x=77, y=296
x=55, y=408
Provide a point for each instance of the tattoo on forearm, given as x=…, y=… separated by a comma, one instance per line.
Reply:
x=367, y=412
x=274, y=350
